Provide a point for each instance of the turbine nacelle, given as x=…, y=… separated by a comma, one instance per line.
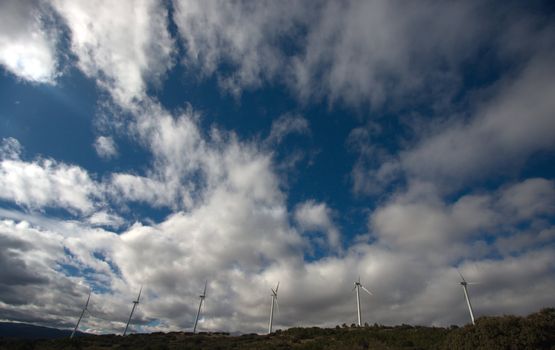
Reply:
x=203, y=295
x=464, y=282
x=139, y=296
x=359, y=285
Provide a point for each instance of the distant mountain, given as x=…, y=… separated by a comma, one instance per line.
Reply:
x=29, y=331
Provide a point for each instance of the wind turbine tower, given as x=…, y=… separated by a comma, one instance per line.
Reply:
x=80, y=317
x=274, y=301
x=357, y=287
x=135, y=303
x=464, y=283
x=202, y=297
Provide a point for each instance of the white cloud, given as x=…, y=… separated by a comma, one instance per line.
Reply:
x=232, y=227
x=313, y=216
x=350, y=51
x=530, y=198
x=241, y=34
x=426, y=225
x=104, y=218
x=10, y=148
x=47, y=290
x=27, y=46
x=287, y=124
x=230, y=222
x=421, y=222
x=129, y=187
x=47, y=183
x=122, y=45
x=243, y=246
x=188, y=165
x=240, y=206
x=370, y=52
x=105, y=147
x=502, y=135
x=367, y=53
x=513, y=123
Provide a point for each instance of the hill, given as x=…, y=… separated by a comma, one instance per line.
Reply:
x=536, y=331
x=29, y=331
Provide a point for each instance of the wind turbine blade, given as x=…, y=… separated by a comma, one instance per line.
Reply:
x=277, y=305
x=277, y=287
x=473, y=283
x=88, y=299
x=355, y=287
x=139, y=296
x=366, y=290
x=204, y=292
x=461, y=275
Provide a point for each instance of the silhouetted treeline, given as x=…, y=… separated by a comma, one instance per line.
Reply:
x=536, y=331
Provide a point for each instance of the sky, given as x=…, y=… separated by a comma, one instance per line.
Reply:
x=163, y=144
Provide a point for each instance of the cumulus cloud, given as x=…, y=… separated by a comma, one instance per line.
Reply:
x=368, y=52
x=48, y=289
x=312, y=216
x=105, y=147
x=357, y=53
x=240, y=206
x=188, y=164
x=416, y=233
x=104, y=218
x=244, y=35
x=507, y=127
x=121, y=45
x=420, y=221
x=530, y=198
x=230, y=221
x=141, y=189
x=512, y=126
x=47, y=183
x=27, y=44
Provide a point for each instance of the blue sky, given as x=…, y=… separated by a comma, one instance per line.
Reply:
x=165, y=143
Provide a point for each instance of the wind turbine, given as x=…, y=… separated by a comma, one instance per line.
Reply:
x=357, y=286
x=135, y=303
x=464, y=283
x=274, y=301
x=202, y=297
x=80, y=317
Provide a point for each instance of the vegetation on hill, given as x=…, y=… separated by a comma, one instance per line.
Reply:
x=536, y=331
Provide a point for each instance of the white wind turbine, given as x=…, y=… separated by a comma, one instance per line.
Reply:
x=80, y=317
x=464, y=283
x=357, y=286
x=274, y=301
x=135, y=303
x=202, y=297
